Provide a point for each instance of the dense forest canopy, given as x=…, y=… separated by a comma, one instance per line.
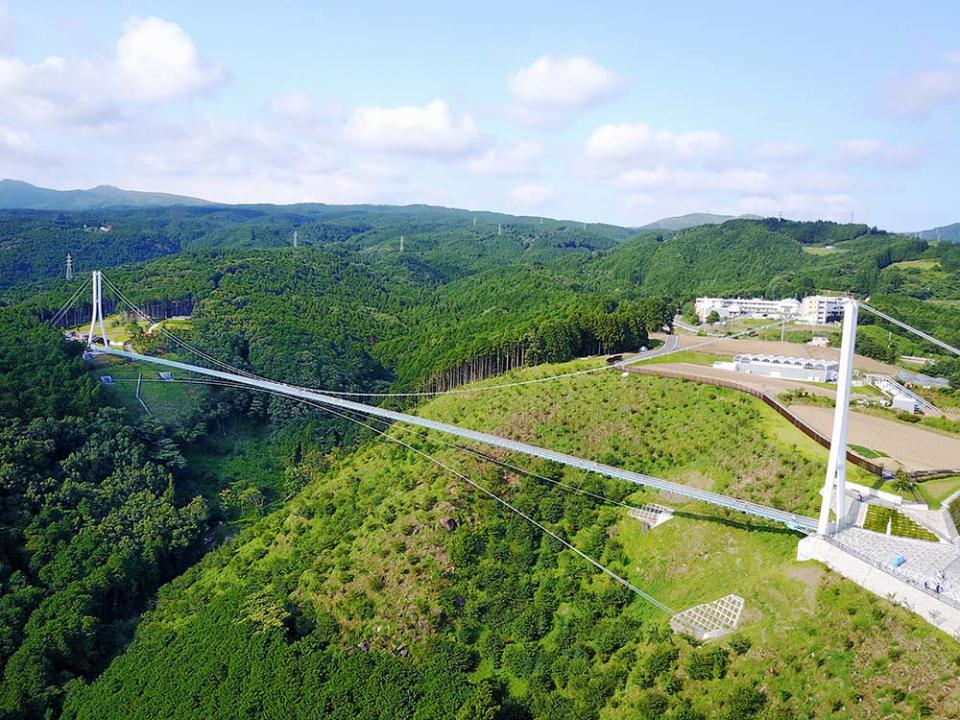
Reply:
x=103, y=506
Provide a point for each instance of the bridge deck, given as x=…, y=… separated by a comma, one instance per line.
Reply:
x=800, y=523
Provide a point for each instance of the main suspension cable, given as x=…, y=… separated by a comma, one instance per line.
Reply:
x=910, y=328
x=618, y=578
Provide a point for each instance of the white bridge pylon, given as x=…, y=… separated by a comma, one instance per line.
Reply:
x=96, y=316
x=835, y=482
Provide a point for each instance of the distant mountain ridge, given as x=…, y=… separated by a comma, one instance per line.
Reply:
x=946, y=233
x=19, y=195
x=682, y=222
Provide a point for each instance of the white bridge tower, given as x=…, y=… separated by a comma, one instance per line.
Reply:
x=834, y=485
x=96, y=317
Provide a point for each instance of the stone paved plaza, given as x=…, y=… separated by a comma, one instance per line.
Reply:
x=925, y=562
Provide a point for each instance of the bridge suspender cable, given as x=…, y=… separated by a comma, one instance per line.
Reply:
x=184, y=344
x=910, y=328
x=69, y=303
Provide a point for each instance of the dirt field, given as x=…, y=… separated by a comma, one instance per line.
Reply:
x=729, y=348
x=913, y=447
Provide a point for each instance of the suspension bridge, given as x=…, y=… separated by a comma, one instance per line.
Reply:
x=833, y=493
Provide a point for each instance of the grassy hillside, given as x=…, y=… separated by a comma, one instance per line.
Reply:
x=361, y=599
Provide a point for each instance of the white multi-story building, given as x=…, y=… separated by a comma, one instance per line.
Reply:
x=815, y=309
x=746, y=307
x=821, y=309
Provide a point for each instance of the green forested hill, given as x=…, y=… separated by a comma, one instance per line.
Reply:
x=342, y=591
x=390, y=589
x=34, y=243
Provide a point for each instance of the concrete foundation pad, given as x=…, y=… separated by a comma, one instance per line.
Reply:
x=881, y=583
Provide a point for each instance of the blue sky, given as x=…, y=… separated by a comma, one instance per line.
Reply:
x=620, y=112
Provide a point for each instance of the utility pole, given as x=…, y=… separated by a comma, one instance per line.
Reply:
x=836, y=478
x=69, y=275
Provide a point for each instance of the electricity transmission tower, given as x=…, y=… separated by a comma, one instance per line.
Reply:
x=296, y=239
x=69, y=275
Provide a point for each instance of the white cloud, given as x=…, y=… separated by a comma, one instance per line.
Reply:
x=856, y=150
x=830, y=206
x=296, y=107
x=783, y=151
x=16, y=140
x=530, y=196
x=211, y=146
x=563, y=84
x=232, y=162
x=517, y=158
x=873, y=151
x=413, y=130
x=921, y=92
x=551, y=89
x=639, y=142
x=157, y=61
x=727, y=180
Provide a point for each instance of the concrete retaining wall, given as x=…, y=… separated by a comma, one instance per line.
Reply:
x=881, y=583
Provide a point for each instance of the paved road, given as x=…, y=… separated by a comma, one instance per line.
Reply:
x=670, y=344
